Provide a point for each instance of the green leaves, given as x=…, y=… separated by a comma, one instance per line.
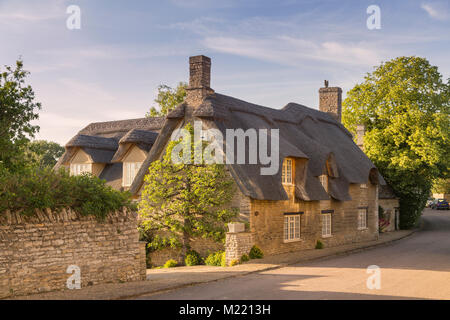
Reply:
x=404, y=105
x=185, y=200
x=17, y=110
x=167, y=99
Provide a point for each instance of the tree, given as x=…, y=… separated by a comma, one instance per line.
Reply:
x=441, y=185
x=168, y=98
x=404, y=105
x=17, y=110
x=181, y=200
x=44, y=153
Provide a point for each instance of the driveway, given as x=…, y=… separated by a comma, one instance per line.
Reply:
x=417, y=267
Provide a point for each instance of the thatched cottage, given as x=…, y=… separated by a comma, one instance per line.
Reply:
x=326, y=189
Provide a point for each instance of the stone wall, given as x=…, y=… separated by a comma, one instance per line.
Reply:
x=237, y=244
x=35, y=252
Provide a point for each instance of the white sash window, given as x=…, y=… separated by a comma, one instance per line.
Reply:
x=78, y=168
x=130, y=170
x=292, y=227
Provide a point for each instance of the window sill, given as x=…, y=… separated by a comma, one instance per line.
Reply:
x=327, y=236
x=362, y=229
x=293, y=240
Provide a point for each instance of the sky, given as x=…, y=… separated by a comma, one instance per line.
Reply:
x=265, y=52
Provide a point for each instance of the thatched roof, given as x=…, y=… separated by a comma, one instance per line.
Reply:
x=102, y=140
x=304, y=134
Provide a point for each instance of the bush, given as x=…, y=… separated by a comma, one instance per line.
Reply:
x=215, y=259
x=245, y=258
x=41, y=188
x=234, y=262
x=192, y=258
x=255, y=253
x=170, y=263
x=319, y=244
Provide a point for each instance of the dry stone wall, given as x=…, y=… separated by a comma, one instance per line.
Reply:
x=35, y=252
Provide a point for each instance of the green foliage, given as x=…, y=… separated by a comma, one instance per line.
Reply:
x=234, y=262
x=245, y=258
x=193, y=258
x=319, y=244
x=168, y=98
x=216, y=259
x=441, y=186
x=43, y=153
x=255, y=253
x=170, y=263
x=185, y=200
x=404, y=105
x=17, y=110
x=40, y=188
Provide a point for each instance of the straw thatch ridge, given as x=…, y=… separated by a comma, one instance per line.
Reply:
x=308, y=134
x=85, y=141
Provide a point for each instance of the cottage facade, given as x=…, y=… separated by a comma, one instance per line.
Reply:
x=326, y=189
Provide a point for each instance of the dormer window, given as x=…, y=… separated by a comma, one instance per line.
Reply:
x=286, y=174
x=130, y=170
x=324, y=181
x=77, y=169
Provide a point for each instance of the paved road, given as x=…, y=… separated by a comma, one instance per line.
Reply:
x=417, y=267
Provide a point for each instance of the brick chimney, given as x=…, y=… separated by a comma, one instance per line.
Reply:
x=330, y=100
x=360, y=131
x=199, y=80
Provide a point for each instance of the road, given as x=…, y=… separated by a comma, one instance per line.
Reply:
x=417, y=267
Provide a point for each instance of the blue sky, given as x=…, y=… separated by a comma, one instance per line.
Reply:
x=266, y=52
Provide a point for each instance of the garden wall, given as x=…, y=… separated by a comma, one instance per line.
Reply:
x=36, y=251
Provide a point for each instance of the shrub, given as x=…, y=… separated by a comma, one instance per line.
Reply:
x=245, y=258
x=170, y=263
x=41, y=188
x=319, y=244
x=192, y=258
x=215, y=259
x=223, y=259
x=234, y=262
x=256, y=253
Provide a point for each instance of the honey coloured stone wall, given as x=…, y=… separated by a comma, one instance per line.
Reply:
x=35, y=252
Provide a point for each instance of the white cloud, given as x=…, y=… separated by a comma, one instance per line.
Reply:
x=294, y=51
x=436, y=10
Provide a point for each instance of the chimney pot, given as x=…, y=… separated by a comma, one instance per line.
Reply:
x=360, y=131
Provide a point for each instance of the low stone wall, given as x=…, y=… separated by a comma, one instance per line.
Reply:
x=237, y=244
x=35, y=252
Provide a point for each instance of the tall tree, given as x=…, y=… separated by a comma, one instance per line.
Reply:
x=43, y=153
x=404, y=105
x=167, y=99
x=183, y=200
x=17, y=109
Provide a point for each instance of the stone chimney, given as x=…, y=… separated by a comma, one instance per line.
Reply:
x=199, y=80
x=330, y=100
x=360, y=131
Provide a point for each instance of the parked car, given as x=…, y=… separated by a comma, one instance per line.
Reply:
x=440, y=204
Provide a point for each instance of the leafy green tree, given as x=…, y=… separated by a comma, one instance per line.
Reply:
x=404, y=105
x=168, y=98
x=441, y=185
x=43, y=153
x=17, y=109
x=181, y=200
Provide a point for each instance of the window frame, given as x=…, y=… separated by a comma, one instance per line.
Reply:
x=362, y=212
x=288, y=163
x=292, y=224
x=76, y=169
x=327, y=226
x=127, y=181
